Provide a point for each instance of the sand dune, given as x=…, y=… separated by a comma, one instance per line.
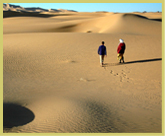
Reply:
x=51, y=72
x=131, y=24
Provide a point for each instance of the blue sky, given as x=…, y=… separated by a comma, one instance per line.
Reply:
x=92, y=7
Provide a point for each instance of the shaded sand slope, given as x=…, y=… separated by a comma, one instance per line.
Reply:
x=57, y=76
x=7, y=14
x=151, y=15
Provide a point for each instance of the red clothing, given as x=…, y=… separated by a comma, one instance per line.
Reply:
x=121, y=48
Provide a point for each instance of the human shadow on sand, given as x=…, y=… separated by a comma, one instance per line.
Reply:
x=131, y=62
x=16, y=115
x=141, y=61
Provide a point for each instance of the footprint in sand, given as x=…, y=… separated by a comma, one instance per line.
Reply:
x=83, y=79
x=70, y=61
x=121, y=75
x=111, y=72
x=116, y=74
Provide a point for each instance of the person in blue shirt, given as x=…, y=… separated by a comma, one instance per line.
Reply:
x=102, y=53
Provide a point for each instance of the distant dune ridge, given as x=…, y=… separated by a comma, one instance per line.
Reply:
x=53, y=82
x=10, y=7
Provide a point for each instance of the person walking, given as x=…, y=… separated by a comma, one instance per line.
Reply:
x=102, y=53
x=120, y=50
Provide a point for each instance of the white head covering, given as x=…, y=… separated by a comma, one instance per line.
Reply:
x=121, y=40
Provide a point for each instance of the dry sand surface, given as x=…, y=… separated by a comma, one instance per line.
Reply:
x=53, y=82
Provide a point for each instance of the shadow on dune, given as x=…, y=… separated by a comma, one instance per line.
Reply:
x=160, y=20
x=140, y=16
x=16, y=115
x=130, y=62
x=126, y=15
x=28, y=14
x=67, y=28
x=101, y=119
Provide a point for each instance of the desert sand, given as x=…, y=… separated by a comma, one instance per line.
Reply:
x=53, y=82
